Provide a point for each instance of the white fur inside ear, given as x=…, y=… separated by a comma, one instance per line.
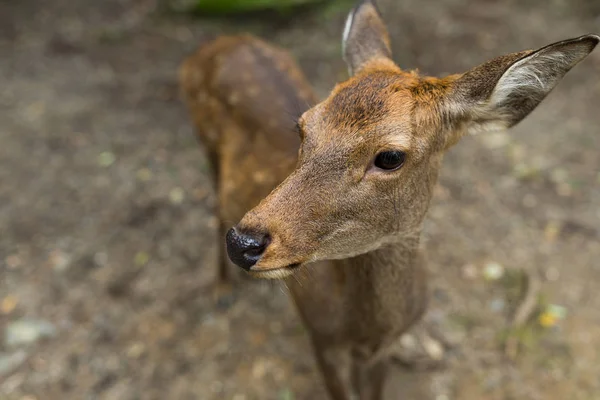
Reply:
x=346, y=33
x=532, y=75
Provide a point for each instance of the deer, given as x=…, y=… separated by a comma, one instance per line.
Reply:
x=337, y=190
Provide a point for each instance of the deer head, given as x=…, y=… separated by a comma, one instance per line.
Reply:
x=371, y=151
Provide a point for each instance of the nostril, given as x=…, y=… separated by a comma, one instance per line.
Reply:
x=258, y=247
x=245, y=248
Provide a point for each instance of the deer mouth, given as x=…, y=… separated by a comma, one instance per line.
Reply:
x=275, y=273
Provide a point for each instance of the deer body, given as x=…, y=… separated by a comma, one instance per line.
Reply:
x=337, y=211
x=251, y=147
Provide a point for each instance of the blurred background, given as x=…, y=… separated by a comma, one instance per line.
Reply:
x=108, y=235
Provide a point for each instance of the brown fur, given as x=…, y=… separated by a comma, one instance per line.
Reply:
x=245, y=97
x=354, y=228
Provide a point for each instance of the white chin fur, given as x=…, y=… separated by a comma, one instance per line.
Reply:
x=278, y=273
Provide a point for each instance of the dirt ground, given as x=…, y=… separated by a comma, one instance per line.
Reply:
x=107, y=230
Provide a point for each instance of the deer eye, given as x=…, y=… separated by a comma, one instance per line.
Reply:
x=390, y=160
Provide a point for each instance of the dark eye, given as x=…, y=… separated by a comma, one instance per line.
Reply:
x=390, y=160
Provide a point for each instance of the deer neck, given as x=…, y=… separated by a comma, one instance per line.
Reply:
x=387, y=285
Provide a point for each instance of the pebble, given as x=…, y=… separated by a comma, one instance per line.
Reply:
x=259, y=368
x=493, y=271
x=176, y=195
x=141, y=258
x=497, y=305
x=106, y=159
x=27, y=331
x=408, y=341
x=10, y=362
x=136, y=350
x=59, y=260
x=564, y=189
x=470, y=272
x=13, y=261
x=551, y=231
x=434, y=349
x=559, y=175
x=101, y=258
x=8, y=304
x=144, y=174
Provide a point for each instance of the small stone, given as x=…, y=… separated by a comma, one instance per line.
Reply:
x=497, y=305
x=136, y=350
x=13, y=261
x=106, y=159
x=141, y=258
x=559, y=311
x=408, y=341
x=551, y=231
x=8, y=304
x=101, y=258
x=564, y=189
x=259, y=368
x=470, y=272
x=59, y=260
x=144, y=174
x=10, y=362
x=27, y=331
x=434, y=349
x=559, y=175
x=176, y=195
x=493, y=271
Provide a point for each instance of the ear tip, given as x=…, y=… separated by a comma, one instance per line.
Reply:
x=350, y=18
x=591, y=39
x=595, y=38
x=363, y=3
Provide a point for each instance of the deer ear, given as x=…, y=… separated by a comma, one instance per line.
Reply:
x=500, y=93
x=365, y=37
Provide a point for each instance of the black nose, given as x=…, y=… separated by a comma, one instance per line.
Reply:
x=245, y=249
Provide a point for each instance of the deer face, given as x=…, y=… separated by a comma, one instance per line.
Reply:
x=371, y=151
